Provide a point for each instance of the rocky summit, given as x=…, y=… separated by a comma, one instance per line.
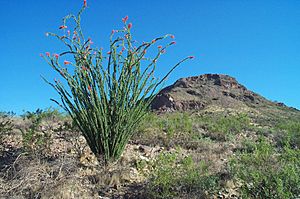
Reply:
x=200, y=92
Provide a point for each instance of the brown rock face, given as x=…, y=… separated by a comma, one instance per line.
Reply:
x=195, y=93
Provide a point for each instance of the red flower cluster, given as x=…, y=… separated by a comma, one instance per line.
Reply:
x=90, y=41
x=125, y=19
x=63, y=27
x=67, y=62
x=129, y=25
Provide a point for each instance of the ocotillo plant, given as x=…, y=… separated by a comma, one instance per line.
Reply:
x=106, y=95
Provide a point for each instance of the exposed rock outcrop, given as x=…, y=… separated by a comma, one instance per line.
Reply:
x=198, y=92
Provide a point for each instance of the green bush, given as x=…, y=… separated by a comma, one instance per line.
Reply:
x=35, y=139
x=6, y=121
x=288, y=131
x=106, y=94
x=44, y=114
x=173, y=176
x=222, y=127
x=170, y=130
x=176, y=123
x=150, y=121
x=6, y=124
x=267, y=172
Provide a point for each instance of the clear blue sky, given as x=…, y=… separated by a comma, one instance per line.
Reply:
x=256, y=41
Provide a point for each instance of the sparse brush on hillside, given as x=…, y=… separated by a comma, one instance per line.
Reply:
x=6, y=124
x=36, y=135
x=288, y=131
x=175, y=176
x=174, y=155
x=223, y=127
x=35, y=139
x=267, y=172
x=166, y=129
x=44, y=114
x=106, y=102
x=186, y=129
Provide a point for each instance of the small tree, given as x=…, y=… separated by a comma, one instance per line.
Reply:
x=106, y=103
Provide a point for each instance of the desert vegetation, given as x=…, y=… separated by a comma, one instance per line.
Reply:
x=106, y=142
x=172, y=155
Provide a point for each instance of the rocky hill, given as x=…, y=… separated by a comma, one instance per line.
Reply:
x=200, y=92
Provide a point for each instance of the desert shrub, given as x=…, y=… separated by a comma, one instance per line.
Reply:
x=177, y=129
x=34, y=138
x=150, y=120
x=6, y=124
x=175, y=176
x=176, y=123
x=44, y=114
x=6, y=121
x=35, y=117
x=268, y=173
x=148, y=132
x=222, y=127
x=106, y=94
x=247, y=146
x=169, y=129
x=55, y=114
x=288, y=131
